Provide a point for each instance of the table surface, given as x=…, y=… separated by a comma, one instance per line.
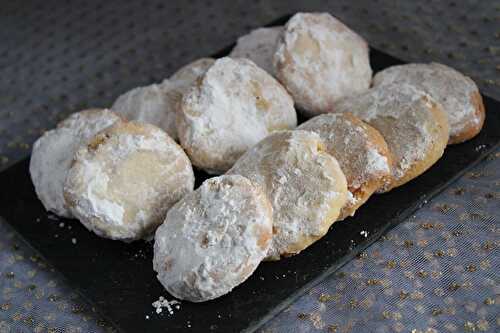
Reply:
x=438, y=270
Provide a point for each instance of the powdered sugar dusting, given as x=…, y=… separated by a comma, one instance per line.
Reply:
x=360, y=150
x=446, y=85
x=213, y=239
x=234, y=106
x=306, y=187
x=157, y=104
x=152, y=104
x=403, y=115
x=259, y=46
x=53, y=152
x=123, y=182
x=377, y=161
x=319, y=60
x=186, y=76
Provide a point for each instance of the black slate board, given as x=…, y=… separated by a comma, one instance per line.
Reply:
x=119, y=279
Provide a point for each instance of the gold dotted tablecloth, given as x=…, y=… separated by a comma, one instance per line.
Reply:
x=57, y=57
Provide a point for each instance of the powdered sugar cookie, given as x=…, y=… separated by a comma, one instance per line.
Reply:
x=457, y=93
x=153, y=104
x=305, y=185
x=122, y=182
x=412, y=123
x=259, y=46
x=318, y=59
x=187, y=75
x=157, y=104
x=53, y=152
x=213, y=239
x=361, y=151
x=232, y=107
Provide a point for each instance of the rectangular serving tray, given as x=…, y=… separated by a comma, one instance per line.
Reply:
x=118, y=278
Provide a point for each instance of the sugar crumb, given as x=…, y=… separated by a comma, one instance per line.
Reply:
x=480, y=147
x=162, y=303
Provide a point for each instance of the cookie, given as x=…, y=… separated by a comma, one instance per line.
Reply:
x=187, y=75
x=361, y=151
x=412, y=123
x=153, y=104
x=213, y=239
x=157, y=104
x=259, y=46
x=457, y=93
x=319, y=60
x=53, y=152
x=122, y=183
x=232, y=107
x=305, y=185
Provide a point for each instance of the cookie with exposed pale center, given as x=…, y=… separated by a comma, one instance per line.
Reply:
x=413, y=124
x=457, y=93
x=304, y=183
x=319, y=60
x=361, y=151
x=232, y=107
x=54, y=150
x=122, y=183
x=213, y=239
x=259, y=46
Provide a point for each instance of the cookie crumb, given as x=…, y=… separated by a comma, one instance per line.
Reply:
x=163, y=303
x=480, y=147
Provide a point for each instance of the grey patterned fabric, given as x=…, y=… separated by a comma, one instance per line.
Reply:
x=57, y=57
x=34, y=297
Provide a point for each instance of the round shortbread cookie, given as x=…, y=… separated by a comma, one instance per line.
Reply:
x=233, y=106
x=412, y=123
x=187, y=75
x=457, y=93
x=213, y=239
x=361, y=151
x=305, y=184
x=122, y=182
x=319, y=59
x=150, y=104
x=53, y=152
x=157, y=104
x=259, y=46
